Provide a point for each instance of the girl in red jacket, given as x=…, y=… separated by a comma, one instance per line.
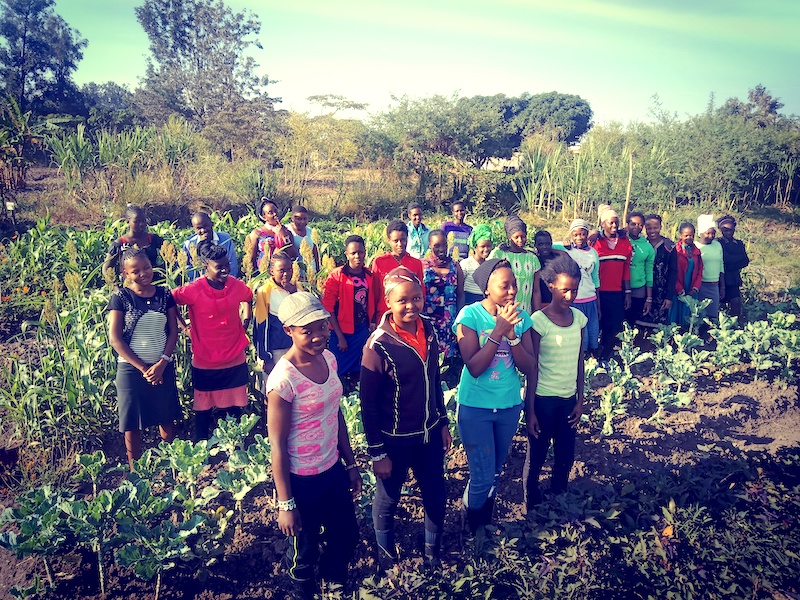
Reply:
x=219, y=368
x=350, y=298
x=690, y=273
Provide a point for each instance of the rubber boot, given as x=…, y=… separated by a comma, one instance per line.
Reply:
x=305, y=589
x=433, y=543
x=487, y=510
x=387, y=552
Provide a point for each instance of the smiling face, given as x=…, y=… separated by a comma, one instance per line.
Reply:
x=611, y=226
x=355, y=254
x=579, y=237
x=438, y=244
x=405, y=301
x=708, y=235
x=502, y=286
x=635, y=227
x=281, y=271
x=217, y=271
x=459, y=212
x=269, y=214
x=300, y=221
x=397, y=242
x=137, y=224
x=203, y=227
x=482, y=250
x=517, y=240
x=727, y=231
x=544, y=245
x=653, y=229
x=138, y=271
x=415, y=216
x=310, y=339
x=564, y=289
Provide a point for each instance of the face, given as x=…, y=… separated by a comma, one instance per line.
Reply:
x=727, y=231
x=300, y=220
x=653, y=229
x=137, y=224
x=544, y=245
x=564, y=289
x=139, y=271
x=611, y=227
x=355, y=254
x=405, y=301
x=202, y=227
x=270, y=213
x=579, y=237
x=218, y=270
x=415, y=216
x=397, y=242
x=438, y=244
x=502, y=286
x=311, y=338
x=687, y=236
x=708, y=235
x=459, y=212
x=483, y=249
x=281, y=272
x=518, y=239
x=635, y=226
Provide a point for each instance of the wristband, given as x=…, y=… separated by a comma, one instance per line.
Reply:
x=379, y=457
x=287, y=505
x=350, y=467
x=169, y=359
x=494, y=341
x=515, y=342
x=648, y=299
x=627, y=291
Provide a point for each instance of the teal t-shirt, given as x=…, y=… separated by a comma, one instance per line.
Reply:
x=498, y=386
x=559, y=353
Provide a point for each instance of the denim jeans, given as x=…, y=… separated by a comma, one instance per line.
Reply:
x=552, y=413
x=592, y=334
x=486, y=434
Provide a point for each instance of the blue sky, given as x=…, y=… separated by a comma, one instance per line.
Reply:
x=616, y=54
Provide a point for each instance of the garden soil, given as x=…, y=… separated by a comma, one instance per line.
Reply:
x=753, y=415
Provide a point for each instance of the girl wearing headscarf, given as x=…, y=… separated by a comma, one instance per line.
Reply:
x=614, y=253
x=480, y=241
x=524, y=263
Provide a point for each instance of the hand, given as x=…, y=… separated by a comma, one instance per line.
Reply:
x=447, y=439
x=666, y=305
x=341, y=343
x=155, y=374
x=289, y=522
x=382, y=468
x=533, y=424
x=267, y=366
x=627, y=303
x=648, y=304
x=355, y=482
x=186, y=329
x=507, y=317
x=575, y=416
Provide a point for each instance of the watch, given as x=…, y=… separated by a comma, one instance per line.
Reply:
x=515, y=342
x=169, y=359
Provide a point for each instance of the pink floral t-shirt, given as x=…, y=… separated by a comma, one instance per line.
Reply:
x=314, y=431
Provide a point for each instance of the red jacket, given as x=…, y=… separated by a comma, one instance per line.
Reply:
x=683, y=265
x=615, y=264
x=339, y=290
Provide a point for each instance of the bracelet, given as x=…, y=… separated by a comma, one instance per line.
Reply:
x=627, y=291
x=648, y=299
x=515, y=342
x=169, y=359
x=350, y=467
x=494, y=341
x=379, y=457
x=287, y=505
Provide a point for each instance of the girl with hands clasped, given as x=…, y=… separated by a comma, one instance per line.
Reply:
x=555, y=388
x=405, y=421
x=495, y=340
x=143, y=329
x=309, y=439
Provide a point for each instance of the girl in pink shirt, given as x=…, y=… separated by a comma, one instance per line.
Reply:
x=219, y=368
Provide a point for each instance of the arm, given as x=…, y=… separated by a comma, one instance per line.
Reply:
x=155, y=374
x=476, y=358
x=346, y=452
x=250, y=243
x=234, y=260
x=536, y=297
x=459, y=288
x=531, y=420
x=279, y=413
x=115, y=321
x=523, y=353
x=372, y=381
x=248, y=314
x=626, y=280
x=575, y=416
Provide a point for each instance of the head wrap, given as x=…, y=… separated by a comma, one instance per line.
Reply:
x=479, y=233
x=726, y=220
x=705, y=222
x=397, y=276
x=484, y=271
x=513, y=224
x=578, y=224
x=606, y=213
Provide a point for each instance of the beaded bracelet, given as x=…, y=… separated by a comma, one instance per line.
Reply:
x=287, y=505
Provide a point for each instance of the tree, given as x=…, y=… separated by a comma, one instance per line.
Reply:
x=39, y=52
x=565, y=116
x=198, y=64
x=109, y=105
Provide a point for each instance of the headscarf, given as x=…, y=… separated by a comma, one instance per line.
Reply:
x=578, y=224
x=479, y=233
x=484, y=271
x=397, y=276
x=705, y=222
x=726, y=220
x=513, y=224
x=606, y=213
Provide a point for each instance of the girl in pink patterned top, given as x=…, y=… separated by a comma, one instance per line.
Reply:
x=309, y=438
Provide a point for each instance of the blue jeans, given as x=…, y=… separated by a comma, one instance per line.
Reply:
x=592, y=326
x=486, y=434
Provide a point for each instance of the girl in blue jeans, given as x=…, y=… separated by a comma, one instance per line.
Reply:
x=495, y=340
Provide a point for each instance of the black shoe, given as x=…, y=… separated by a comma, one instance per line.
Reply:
x=305, y=590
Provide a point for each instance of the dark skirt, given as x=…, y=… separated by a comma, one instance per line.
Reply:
x=141, y=404
x=220, y=388
x=350, y=361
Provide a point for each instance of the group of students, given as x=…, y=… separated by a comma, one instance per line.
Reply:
x=503, y=311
